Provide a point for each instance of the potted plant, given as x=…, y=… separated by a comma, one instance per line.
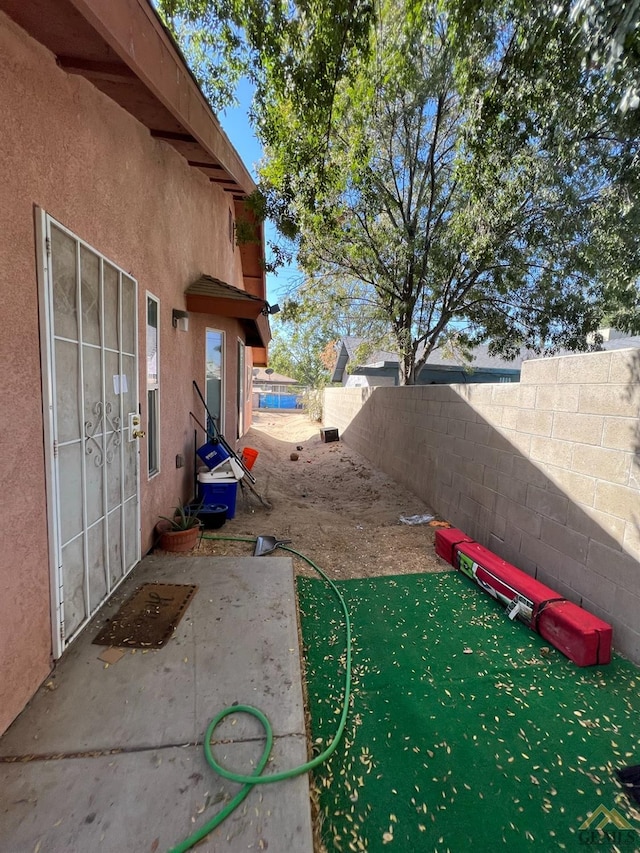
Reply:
x=180, y=532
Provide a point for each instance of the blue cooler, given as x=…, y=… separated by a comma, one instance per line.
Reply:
x=217, y=490
x=213, y=454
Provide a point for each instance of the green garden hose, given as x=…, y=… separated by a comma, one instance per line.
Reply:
x=256, y=778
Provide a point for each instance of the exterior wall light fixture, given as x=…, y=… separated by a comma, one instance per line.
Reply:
x=180, y=320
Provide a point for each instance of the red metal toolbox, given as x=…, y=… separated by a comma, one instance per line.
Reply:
x=446, y=539
x=582, y=637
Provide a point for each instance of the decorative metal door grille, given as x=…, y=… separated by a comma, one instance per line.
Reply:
x=90, y=306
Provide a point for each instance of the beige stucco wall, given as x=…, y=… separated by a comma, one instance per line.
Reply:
x=68, y=149
x=546, y=472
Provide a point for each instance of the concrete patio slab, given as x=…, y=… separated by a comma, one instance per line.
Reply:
x=129, y=766
x=151, y=800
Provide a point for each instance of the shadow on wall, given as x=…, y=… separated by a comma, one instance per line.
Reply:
x=631, y=394
x=537, y=500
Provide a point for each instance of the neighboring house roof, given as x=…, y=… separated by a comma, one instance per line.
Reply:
x=260, y=375
x=348, y=346
x=628, y=342
x=481, y=359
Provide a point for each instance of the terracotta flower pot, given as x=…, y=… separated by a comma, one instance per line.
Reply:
x=177, y=540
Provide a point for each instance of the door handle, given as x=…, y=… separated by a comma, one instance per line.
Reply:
x=139, y=433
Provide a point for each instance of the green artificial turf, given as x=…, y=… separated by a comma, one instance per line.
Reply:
x=462, y=733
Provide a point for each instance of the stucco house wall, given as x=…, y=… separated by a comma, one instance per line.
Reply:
x=546, y=473
x=68, y=149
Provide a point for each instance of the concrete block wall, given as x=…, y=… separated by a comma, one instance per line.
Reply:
x=546, y=472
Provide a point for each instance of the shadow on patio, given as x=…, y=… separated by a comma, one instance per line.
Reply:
x=110, y=757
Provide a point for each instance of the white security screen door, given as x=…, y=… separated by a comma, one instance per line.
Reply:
x=89, y=323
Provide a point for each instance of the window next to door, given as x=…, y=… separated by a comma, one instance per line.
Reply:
x=153, y=384
x=215, y=376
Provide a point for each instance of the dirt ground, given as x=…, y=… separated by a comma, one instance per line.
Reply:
x=335, y=507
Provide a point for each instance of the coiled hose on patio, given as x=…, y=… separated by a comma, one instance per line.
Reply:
x=256, y=778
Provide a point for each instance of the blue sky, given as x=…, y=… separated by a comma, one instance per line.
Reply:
x=235, y=122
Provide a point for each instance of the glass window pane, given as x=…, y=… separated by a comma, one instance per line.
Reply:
x=214, y=372
x=152, y=430
x=111, y=303
x=63, y=257
x=152, y=342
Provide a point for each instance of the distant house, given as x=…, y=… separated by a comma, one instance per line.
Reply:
x=272, y=390
x=613, y=339
x=382, y=368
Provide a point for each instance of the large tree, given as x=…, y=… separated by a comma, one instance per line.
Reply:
x=479, y=194
x=465, y=167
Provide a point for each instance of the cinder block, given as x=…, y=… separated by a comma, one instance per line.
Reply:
x=539, y=371
x=547, y=502
x=551, y=561
x=621, y=568
x=463, y=448
x=477, y=394
x=514, y=490
x=592, y=522
x=578, y=487
x=505, y=394
x=478, y=433
x=537, y=423
x=631, y=537
x=486, y=456
x=557, y=398
x=621, y=433
x=502, y=505
x=626, y=640
x=509, y=418
x=608, y=400
x=490, y=478
x=583, y=429
x=558, y=585
x=527, y=396
x=501, y=439
x=584, y=368
x=505, y=461
x=510, y=548
x=524, y=519
x=624, y=369
x=498, y=527
x=483, y=496
x=617, y=500
x=601, y=463
x=470, y=507
x=456, y=427
x=551, y=451
x=521, y=442
x=460, y=411
x=524, y=469
x=471, y=469
x=627, y=607
x=598, y=589
x=566, y=541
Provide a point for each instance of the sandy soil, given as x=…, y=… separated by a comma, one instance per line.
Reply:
x=335, y=507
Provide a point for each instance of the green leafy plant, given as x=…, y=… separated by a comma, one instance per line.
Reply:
x=183, y=518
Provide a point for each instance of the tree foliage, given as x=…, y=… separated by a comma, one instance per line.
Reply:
x=456, y=170
x=482, y=185
x=611, y=30
x=299, y=352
